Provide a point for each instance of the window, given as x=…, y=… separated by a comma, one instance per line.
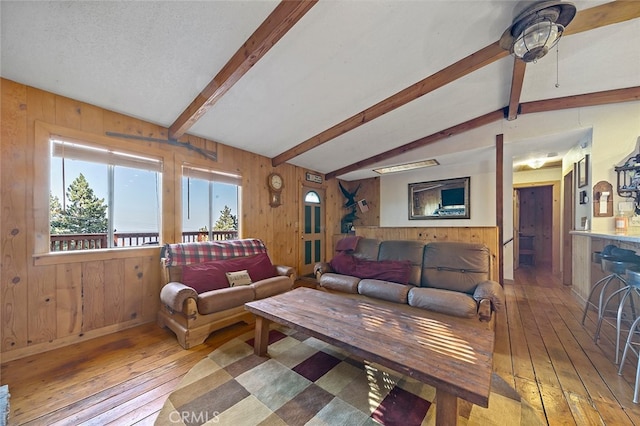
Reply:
x=312, y=197
x=209, y=204
x=101, y=198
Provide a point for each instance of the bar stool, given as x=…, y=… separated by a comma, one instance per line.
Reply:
x=596, y=257
x=609, y=278
x=633, y=278
x=618, y=269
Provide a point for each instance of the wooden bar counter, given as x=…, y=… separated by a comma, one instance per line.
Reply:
x=585, y=272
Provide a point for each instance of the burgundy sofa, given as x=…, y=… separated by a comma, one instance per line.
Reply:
x=198, y=297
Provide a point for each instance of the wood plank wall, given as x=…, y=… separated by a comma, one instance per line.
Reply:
x=55, y=300
x=52, y=300
x=581, y=265
x=487, y=235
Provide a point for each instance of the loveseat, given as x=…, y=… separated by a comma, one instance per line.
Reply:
x=208, y=283
x=446, y=277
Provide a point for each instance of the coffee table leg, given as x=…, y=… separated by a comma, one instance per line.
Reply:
x=446, y=408
x=261, y=340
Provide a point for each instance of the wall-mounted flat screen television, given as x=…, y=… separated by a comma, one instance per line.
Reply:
x=452, y=197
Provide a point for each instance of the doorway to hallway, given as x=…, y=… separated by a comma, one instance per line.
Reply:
x=536, y=223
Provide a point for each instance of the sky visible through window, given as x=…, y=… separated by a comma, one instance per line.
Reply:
x=195, y=210
x=136, y=203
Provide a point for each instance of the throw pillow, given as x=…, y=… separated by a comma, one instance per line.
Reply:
x=397, y=271
x=259, y=267
x=238, y=278
x=208, y=276
x=204, y=277
x=344, y=264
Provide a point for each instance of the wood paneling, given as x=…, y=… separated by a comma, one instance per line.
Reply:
x=50, y=301
x=68, y=299
x=581, y=265
x=487, y=235
x=15, y=232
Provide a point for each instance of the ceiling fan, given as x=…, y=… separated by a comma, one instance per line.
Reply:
x=553, y=13
x=537, y=29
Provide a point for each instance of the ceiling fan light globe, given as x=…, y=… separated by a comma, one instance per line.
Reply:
x=536, y=40
x=535, y=54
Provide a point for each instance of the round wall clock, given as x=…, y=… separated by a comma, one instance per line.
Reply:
x=275, y=187
x=275, y=182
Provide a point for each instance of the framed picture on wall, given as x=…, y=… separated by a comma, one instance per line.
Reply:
x=583, y=171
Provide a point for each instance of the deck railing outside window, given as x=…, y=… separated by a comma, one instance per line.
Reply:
x=68, y=242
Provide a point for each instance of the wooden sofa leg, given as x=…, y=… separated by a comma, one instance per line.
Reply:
x=484, y=310
x=250, y=319
x=189, y=342
x=183, y=340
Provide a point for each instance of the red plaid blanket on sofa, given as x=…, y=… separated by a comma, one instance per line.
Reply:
x=204, y=251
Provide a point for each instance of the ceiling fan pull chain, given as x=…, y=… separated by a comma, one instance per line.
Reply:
x=557, y=64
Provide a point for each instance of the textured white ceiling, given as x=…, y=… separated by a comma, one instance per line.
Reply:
x=150, y=59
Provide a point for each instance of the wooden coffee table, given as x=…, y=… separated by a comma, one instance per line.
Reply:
x=453, y=355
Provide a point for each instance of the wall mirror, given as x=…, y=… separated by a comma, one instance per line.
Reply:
x=439, y=199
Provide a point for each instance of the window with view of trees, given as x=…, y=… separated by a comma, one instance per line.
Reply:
x=100, y=198
x=209, y=204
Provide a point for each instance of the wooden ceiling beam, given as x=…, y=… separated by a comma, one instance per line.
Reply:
x=590, y=99
x=471, y=63
x=517, y=80
x=586, y=19
x=277, y=24
x=419, y=143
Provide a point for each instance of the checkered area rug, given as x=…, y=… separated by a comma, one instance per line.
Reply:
x=308, y=382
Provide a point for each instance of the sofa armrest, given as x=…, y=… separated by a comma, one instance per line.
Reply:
x=286, y=271
x=491, y=291
x=174, y=295
x=321, y=268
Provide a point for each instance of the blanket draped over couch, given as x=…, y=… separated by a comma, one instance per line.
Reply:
x=446, y=277
x=208, y=283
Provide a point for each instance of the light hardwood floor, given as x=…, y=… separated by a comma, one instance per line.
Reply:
x=541, y=349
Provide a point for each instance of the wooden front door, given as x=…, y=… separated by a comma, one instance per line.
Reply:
x=516, y=229
x=312, y=229
x=567, y=225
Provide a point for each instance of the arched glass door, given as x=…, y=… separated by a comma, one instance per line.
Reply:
x=312, y=229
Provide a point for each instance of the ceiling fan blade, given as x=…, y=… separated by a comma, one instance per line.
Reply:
x=603, y=15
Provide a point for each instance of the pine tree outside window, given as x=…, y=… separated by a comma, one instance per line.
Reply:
x=100, y=198
x=209, y=204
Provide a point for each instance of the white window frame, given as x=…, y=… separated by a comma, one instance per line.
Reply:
x=72, y=149
x=213, y=176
